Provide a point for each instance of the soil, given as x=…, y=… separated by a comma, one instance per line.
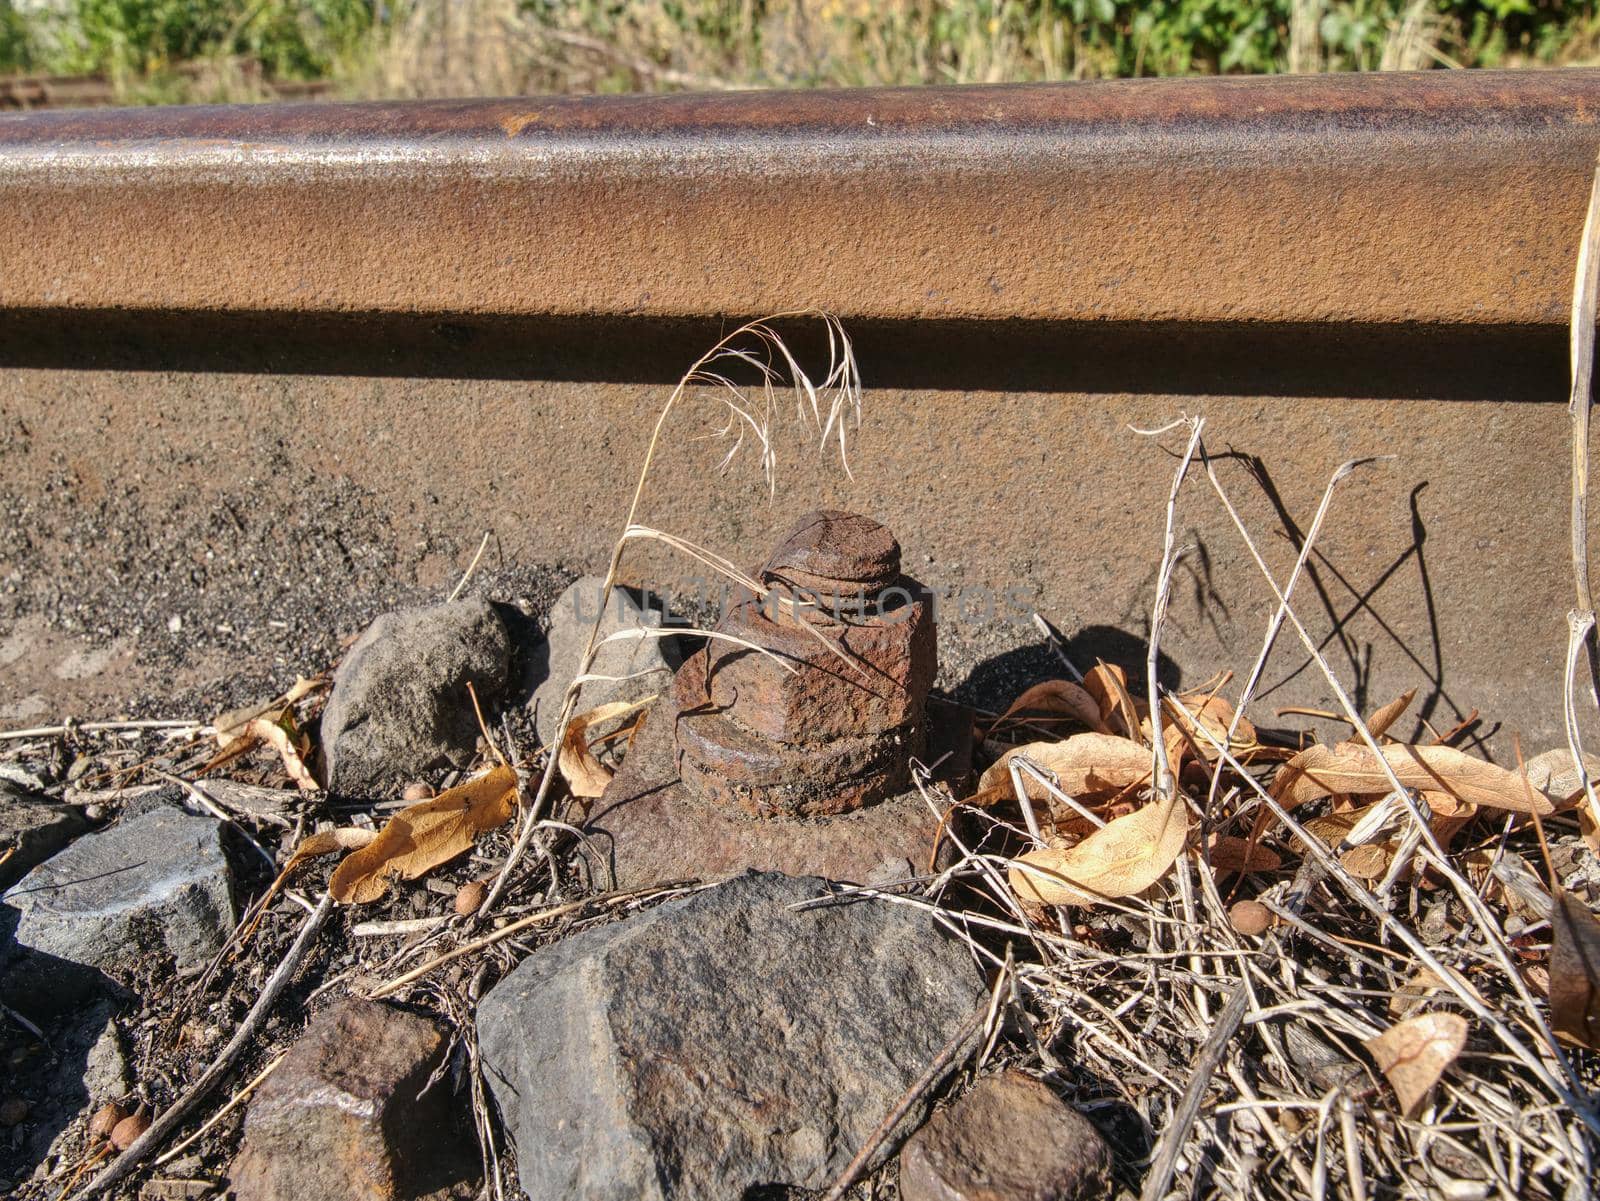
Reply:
x=113, y=606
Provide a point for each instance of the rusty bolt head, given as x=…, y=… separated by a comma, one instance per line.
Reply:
x=829, y=550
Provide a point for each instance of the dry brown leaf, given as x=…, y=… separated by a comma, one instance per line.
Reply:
x=1177, y=743
x=1451, y=815
x=1556, y=775
x=422, y=836
x=274, y=735
x=1575, y=971
x=1214, y=714
x=1334, y=828
x=1230, y=854
x=1108, y=684
x=1413, y=1054
x=231, y=725
x=1123, y=857
x=322, y=842
x=585, y=775
x=1056, y=698
x=1378, y=724
x=1319, y=771
x=1367, y=862
x=1085, y=765
x=1589, y=828
x=1174, y=737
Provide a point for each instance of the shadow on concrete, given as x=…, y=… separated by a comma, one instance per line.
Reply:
x=994, y=683
x=1341, y=601
x=1391, y=361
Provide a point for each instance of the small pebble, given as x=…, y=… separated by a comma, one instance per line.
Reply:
x=417, y=791
x=1250, y=917
x=130, y=1128
x=95, y=812
x=12, y=1111
x=1009, y=1139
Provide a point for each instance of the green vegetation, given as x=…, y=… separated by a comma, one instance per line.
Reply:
x=120, y=38
x=165, y=49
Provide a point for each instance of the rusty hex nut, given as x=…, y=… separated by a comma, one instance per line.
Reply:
x=825, y=717
x=861, y=676
x=722, y=761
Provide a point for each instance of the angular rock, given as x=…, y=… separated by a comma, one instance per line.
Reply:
x=156, y=882
x=105, y=1064
x=557, y=660
x=346, y=1114
x=400, y=703
x=1009, y=1139
x=719, y=1043
x=33, y=828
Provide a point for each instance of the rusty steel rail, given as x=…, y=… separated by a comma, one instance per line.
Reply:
x=433, y=319
x=1441, y=198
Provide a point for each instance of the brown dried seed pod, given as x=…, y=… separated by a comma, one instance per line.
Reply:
x=469, y=896
x=417, y=791
x=1250, y=917
x=130, y=1128
x=105, y=1119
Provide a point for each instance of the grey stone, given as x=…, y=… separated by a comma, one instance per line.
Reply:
x=400, y=703
x=105, y=1065
x=33, y=828
x=719, y=1043
x=158, y=882
x=350, y=1114
x=1009, y=1139
x=557, y=660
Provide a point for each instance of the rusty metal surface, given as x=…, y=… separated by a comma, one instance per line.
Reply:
x=863, y=674
x=651, y=827
x=1442, y=197
x=811, y=707
x=226, y=331
x=830, y=550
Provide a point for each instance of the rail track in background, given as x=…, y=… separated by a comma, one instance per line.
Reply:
x=33, y=92
x=1328, y=266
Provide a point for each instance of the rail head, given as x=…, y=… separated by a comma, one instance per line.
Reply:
x=1439, y=198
